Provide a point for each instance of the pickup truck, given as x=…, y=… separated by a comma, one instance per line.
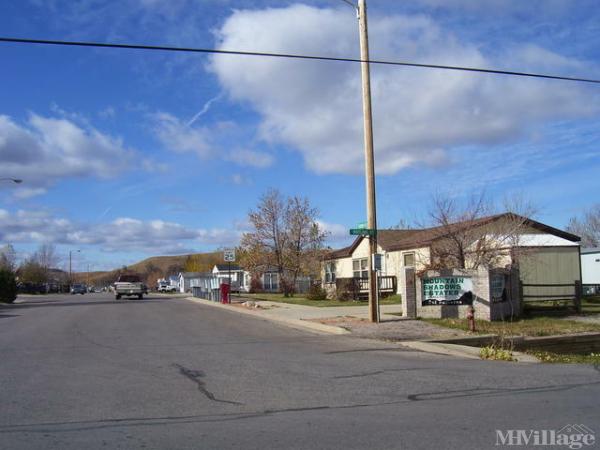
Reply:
x=129, y=286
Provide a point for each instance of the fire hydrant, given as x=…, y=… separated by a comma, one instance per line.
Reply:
x=471, y=317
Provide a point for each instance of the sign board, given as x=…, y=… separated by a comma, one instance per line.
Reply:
x=447, y=291
x=377, y=261
x=362, y=225
x=229, y=255
x=363, y=231
x=497, y=287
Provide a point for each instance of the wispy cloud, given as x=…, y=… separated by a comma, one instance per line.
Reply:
x=204, y=110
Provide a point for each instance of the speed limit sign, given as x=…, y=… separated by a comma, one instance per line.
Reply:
x=229, y=255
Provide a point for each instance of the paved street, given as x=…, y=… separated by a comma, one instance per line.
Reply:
x=88, y=372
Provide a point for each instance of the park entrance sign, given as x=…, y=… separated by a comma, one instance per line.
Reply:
x=447, y=291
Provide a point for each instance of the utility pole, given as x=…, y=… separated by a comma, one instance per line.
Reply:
x=71, y=266
x=369, y=158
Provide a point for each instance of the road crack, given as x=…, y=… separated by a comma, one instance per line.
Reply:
x=197, y=377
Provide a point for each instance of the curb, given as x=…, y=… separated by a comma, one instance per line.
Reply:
x=461, y=351
x=293, y=323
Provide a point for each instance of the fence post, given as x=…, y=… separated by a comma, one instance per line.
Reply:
x=578, y=295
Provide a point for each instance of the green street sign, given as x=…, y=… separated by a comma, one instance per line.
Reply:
x=363, y=231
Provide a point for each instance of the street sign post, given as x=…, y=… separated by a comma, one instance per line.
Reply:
x=363, y=232
x=229, y=257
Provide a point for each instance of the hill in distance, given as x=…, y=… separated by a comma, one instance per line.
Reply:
x=156, y=267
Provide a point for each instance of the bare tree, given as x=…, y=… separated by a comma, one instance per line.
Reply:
x=285, y=235
x=46, y=256
x=475, y=234
x=588, y=227
x=305, y=238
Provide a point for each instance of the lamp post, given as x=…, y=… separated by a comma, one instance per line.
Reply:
x=71, y=265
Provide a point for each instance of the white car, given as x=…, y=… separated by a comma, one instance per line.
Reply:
x=166, y=288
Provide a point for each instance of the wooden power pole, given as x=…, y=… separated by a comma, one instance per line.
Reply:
x=369, y=158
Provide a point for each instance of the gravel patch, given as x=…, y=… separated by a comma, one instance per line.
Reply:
x=392, y=330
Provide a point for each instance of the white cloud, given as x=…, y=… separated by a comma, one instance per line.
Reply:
x=244, y=157
x=419, y=115
x=45, y=150
x=177, y=136
x=120, y=235
x=337, y=234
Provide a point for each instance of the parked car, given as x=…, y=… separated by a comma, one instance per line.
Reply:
x=166, y=287
x=78, y=289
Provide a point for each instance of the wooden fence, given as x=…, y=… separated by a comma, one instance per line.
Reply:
x=530, y=293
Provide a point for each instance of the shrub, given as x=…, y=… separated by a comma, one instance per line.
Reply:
x=255, y=285
x=8, y=286
x=316, y=292
x=496, y=353
x=347, y=289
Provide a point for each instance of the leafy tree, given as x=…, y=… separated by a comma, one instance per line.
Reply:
x=32, y=271
x=202, y=262
x=587, y=227
x=285, y=236
x=8, y=258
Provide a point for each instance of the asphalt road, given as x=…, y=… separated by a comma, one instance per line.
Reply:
x=88, y=372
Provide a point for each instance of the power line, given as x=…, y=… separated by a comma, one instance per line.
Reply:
x=348, y=2
x=292, y=56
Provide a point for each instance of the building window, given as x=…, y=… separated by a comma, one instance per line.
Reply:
x=271, y=281
x=409, y=260
x=330, y=272
x=360, y=268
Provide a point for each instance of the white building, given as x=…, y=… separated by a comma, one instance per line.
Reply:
x=590, y=270
x=187, y=280
x=240, y=279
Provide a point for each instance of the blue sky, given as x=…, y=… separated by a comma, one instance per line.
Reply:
x=128, y=154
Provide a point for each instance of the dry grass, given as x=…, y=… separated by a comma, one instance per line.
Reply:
x=538, y=326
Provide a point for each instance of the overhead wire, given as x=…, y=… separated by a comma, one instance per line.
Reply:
x=293, y=56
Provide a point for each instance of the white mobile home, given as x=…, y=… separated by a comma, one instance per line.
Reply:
x=545, y=254
x=590, y=270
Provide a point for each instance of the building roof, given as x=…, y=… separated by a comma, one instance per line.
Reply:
x=394, y=240
x=226, y=267
x=190, y=274
x=585, y=251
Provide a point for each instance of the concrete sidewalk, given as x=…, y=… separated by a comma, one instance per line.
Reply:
x=353, y=320
x=341, y=319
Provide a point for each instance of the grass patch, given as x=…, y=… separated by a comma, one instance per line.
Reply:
x=301, y=300
x=496, y=353
x=537, y=326
x=562, y=358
